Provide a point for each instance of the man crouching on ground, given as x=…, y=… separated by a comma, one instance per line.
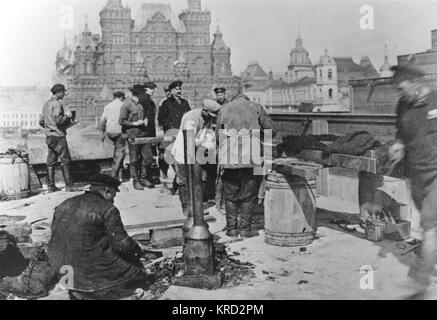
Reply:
x=89, y=238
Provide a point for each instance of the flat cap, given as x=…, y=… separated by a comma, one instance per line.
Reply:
x=138, y=89
x=406, y=72
x=150, y=85
x=220, y=90
x=175, y=84
x=105, y=181
x=119, y=94
x=212, y=107
x=58, y=88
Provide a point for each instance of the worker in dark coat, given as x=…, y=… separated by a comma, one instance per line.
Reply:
x=55, y=122
x=173, y=109
x=241, y=121
x=170, y=118
x=149, y=108
x=417, y=144
x=88, y=235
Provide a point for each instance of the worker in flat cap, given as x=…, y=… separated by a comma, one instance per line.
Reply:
x=200, y=122
x=55, y=121
x=111, y=128
x=134, y=123
x=416, y=144
x=170, y=117
x=220, y=95
x=147, y=153
x=88, y=235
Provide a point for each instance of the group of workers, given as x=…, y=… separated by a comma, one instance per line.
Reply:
x=415, y=143
x=98, y=247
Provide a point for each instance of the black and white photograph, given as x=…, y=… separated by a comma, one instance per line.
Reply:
x=235, y=152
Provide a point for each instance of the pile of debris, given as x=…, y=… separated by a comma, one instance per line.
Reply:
x=167, y=271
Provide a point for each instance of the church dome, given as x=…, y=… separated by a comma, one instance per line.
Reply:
x=299, y=56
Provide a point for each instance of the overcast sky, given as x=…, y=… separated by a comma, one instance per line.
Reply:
x=262, y=30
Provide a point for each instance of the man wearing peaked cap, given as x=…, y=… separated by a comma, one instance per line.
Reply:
x=88, y=235
x=55, y=122
x=171, y=113
x=149, y=109
x=416, y=144
x=175, y=84
x=58, y=88
x=133, y=123
x=104, y=180
x=220, y=94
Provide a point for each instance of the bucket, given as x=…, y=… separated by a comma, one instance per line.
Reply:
x=375, y=230
x=14, y=178
x=290, y=208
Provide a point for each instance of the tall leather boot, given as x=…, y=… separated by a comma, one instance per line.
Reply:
x=51, y=186
x=231, y=219
x=134, y=174
x=145, y=173
x=246, y=220
x=67, y=178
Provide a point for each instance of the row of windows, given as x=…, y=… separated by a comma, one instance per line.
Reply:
x=198, y=41
x=19, y=116
x=32, y=123
x=329, y=74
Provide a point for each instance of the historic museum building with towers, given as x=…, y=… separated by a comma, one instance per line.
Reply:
x=157, y=46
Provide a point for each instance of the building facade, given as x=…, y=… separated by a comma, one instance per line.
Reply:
x=20, y=107
x=323, y=87
x=155, y=46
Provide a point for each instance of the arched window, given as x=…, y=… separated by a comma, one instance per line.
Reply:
x=89, y=67
x=82, y=68
x=222, y=67
x=330, y=74
x=159, y=64
x=198, y=65
x=118, y=65
x=169, y=63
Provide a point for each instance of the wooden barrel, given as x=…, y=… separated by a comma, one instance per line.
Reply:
x=14, y=178
x=290, y=208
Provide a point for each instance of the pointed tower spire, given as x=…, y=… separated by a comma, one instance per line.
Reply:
x=299, y=40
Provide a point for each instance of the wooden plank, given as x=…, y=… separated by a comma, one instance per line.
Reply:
x=163, y=224
x=154, y=140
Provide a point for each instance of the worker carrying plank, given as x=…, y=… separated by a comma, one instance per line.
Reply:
x=416, y=142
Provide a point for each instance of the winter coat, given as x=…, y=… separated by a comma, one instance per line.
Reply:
x=89, y=236
x=238, y=121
